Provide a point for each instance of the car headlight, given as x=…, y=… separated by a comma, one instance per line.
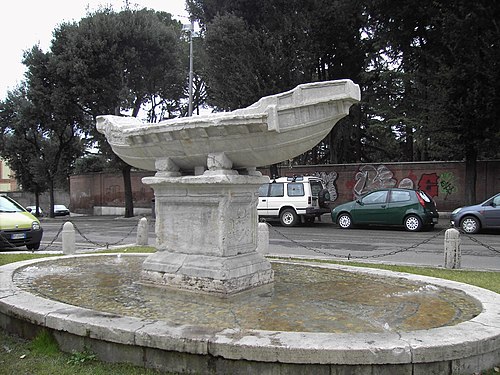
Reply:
x=35, y=225
x=456, y=211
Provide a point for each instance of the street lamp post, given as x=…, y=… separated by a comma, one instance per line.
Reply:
x=191, y=31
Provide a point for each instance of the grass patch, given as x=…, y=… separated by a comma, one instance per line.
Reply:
x=11, y=258
x=19, y=356
x=44, y=344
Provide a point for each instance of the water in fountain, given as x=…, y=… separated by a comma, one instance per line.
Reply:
x=302, y=298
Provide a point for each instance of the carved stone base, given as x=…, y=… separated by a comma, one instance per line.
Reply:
x=208, y=274
x=206, y=234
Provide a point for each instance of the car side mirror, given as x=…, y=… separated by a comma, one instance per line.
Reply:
x=358, y=201
x=29, y=209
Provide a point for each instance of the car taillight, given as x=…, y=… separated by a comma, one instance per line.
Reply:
x=420, y=200
x=309, y=200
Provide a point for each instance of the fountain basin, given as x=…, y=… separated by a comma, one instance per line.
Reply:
x=470, y=346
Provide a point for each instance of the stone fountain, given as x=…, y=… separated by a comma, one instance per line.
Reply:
x=206, y=195
x=206, y=181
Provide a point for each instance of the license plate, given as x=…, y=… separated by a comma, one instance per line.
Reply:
x=18, y=236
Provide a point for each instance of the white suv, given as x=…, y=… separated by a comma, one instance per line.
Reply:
x=293, y=199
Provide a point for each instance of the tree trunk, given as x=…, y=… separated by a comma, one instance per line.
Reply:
x=51, y=197
x=37, y=203
x=470, y=174
x=127, y=184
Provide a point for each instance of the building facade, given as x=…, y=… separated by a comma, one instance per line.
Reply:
x=7, y=180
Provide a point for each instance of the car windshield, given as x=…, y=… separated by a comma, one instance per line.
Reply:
x=6, y=205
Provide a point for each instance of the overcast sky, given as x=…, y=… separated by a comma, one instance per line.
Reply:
x=30, y=22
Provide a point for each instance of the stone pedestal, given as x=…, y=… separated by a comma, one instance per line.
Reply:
x=206, y=229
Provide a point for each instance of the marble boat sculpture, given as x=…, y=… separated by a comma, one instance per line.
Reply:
x=273, y=129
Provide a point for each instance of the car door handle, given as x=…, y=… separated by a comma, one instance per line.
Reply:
x=383, y=206
x=264, y=200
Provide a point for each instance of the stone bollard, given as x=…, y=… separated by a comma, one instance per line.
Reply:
x=142, y=232
x=68, y=238
x=263, y=238
x=452, y=253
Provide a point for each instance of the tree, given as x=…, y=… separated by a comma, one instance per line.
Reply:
x=259, y=48
x=118, y=63
x=39, y=135
x=466, y=82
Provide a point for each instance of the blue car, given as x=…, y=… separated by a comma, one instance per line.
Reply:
x=471, y=219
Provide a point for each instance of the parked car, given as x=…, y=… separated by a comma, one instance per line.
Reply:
x=32, y=210
x=471, y=219
x=413, y=209
x=18, y=227
x=293, y=199
x=60, y=210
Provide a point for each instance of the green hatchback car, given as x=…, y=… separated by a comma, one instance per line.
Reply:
x=413, y=209
x=17, y=226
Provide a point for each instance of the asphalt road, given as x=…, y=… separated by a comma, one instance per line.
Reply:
x=321, y=240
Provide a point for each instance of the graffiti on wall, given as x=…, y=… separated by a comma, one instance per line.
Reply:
x=447, y=184
x=429, y=183
x=329, y=179
x=369, y=178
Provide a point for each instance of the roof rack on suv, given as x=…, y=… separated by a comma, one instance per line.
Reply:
x=295, y=178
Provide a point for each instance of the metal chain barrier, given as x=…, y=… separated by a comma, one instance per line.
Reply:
x=5, y=240
x=107, y=244
x=349, y=256
x=474, y=239
x=53, y=240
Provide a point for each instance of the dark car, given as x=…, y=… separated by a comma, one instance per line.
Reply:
x=413, y=209
x=471, y=219
x=60, y=210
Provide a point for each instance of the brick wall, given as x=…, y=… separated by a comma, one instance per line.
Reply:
x=107, y=190
x=444, y=181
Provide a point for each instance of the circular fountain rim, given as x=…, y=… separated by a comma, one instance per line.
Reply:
x=475, y=337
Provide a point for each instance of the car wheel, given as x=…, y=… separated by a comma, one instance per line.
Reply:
x=470, y=225
x=344, y=221
x=288, y=217
x=309, y=219
x=413, y=223
x=34, y=246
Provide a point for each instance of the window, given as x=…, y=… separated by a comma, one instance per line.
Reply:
x=276, y=190
x=295, y=190
x=316, y=187
x=400, y=196
x=375, y=197
x=263, y=190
